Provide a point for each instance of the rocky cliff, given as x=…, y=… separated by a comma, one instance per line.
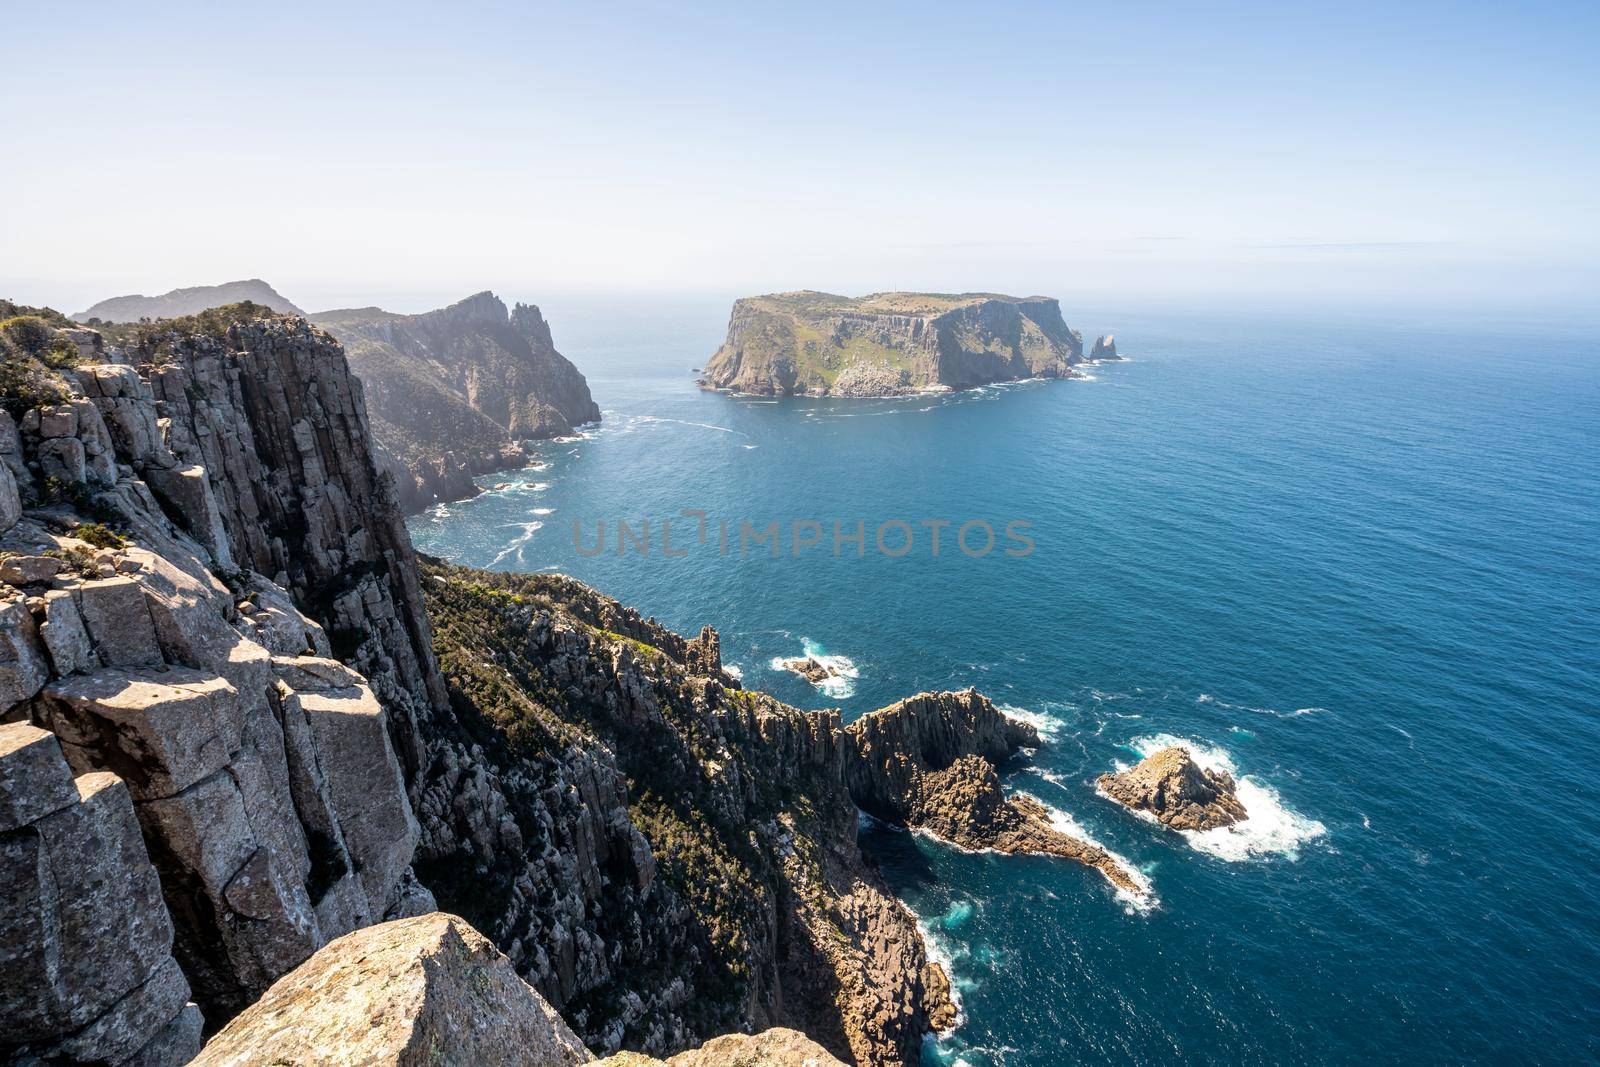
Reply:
x=240, y=722
x=454, y=393
x=182, y=302
x=1169, y=785
x=889, y=344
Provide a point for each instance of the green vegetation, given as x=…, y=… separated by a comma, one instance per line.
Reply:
x=150, y=336
x=31, y=358
x=99, y=535
x=532, y=663
x=78, y=560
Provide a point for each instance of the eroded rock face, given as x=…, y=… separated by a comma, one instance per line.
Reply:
x=453, y=393
x=889, y=344
x=810, y=669
x=1179, y=792
x=1105, y=347
x=419, y=991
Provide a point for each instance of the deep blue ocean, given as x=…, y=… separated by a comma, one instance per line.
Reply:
x=1356, y=558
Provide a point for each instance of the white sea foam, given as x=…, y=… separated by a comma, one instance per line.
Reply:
x=1143, y=900
x=1269, y=828
x=940, y=951
x=1207, y=698
x=1048, y=726
x=841, y=683
x=516, y=544
x=733, y=670
x=685, y=422
x=542, y=511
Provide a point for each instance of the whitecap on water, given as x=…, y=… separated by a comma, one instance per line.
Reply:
x=1207, y=698
x=841, y=681
x=733, y=670
x=1048, y=726
x=1145, y=899
x=1269, y=828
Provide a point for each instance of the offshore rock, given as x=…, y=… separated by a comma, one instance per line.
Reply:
x=1179, y=792
x=419, y=991
x=889, y=344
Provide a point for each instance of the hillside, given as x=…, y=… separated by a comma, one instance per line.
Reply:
x=191, y=301
x=889, y=344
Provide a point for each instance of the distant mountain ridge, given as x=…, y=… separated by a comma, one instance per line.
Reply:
x=190, y=301
x=453, y=393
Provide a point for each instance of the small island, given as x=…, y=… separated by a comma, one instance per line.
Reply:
x=1177, y=791
x=808, y=343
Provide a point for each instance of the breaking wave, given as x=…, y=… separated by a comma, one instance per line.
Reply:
x=1270, y=826
x=840, y=683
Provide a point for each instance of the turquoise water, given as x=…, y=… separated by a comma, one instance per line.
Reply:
x=1358, y=560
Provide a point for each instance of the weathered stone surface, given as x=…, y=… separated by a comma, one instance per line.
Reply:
x=175, y=1045
x=81, y=920
x=34, y=777
x=62, y=458
x=28, y=570
x=1179, y=792
x=22, y=663
x=162, y=732
x=10, y=499
x=418, y=991
x=1105, y=347
x=186, y=490
x=365, y=785
x=132, y=1022
x=777, y=1047
x=118, y=620
x=64, y=635
x=278, y=625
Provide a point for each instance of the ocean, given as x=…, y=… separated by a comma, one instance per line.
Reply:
x=1353, y=558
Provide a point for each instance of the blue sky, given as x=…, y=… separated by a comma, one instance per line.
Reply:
x=405, y=154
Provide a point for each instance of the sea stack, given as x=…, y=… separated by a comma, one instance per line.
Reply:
x=1179, y=792
x=1105, y=347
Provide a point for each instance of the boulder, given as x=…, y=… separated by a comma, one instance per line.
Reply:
x=62, y=458
x=777, y=1047
x=187, y=492
x=29, y=570
x=10, y=499
x=64, y=636
x=417, y=991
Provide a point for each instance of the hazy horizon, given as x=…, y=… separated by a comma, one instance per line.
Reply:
x=406, y=156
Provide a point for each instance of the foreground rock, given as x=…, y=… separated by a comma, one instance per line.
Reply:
x=425, y=990
x=929, y=763
x=455, y=393
x=1179, y=792
x=889, y=344
x=777, y=1047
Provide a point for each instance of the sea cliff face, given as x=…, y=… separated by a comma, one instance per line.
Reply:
x=889, y=344
x=453, y=393
x=241, y=722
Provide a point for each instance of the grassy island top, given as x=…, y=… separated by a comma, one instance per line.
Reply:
x=809, y=301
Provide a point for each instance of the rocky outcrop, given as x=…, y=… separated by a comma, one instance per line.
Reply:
x=192, y=301
x=889, y=344
x=1180, y=793
x=1105, y=347
x=929, y=762
x=454, y=393
x=665, y=856
x=415, y=992
x=810, y=668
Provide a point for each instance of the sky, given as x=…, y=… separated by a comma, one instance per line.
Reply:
x=408, y=154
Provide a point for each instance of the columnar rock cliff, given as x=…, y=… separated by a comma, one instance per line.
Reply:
x=889, y=344
x=453, y=393
x=242, y=720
